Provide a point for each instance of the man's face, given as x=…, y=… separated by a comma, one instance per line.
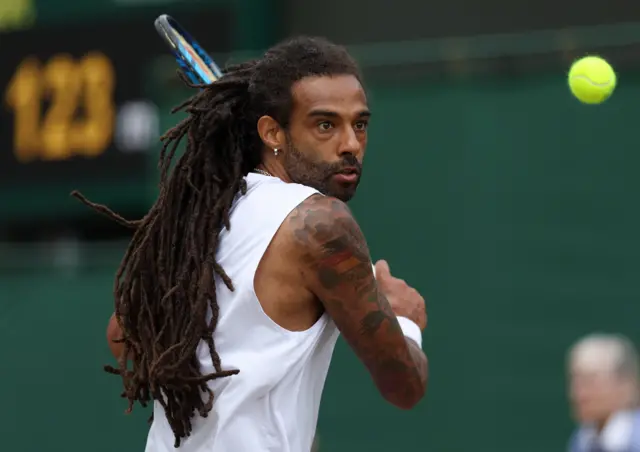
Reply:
x=327, y=134
x=595, y=390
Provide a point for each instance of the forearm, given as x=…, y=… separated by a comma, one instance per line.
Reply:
x=413, y=337
x=421, y=366
x=402, y=377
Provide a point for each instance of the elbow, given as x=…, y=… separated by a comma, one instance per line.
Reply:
x=113, y=329
x=406, y=405
x=114, y=334
x=406, y=401
x=406, y=395
x=405, y=385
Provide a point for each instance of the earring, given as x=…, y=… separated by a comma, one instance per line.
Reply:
x=275, y=152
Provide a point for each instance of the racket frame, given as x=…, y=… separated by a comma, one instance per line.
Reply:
x=170, y=30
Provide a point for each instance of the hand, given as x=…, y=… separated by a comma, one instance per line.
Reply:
x=404, y=299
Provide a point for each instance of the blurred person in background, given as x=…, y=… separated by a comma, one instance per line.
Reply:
x=603, y=380
x=239, y=279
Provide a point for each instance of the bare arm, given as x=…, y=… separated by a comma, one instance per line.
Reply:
x=337, y=269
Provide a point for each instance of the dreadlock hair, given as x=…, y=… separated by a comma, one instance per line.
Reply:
x=165, y=287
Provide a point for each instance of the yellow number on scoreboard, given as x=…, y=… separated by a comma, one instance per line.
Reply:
x=80, y=116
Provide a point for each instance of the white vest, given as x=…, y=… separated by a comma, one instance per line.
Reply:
x=272, y=404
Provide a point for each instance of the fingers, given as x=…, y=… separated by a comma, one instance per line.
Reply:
x=382, y=269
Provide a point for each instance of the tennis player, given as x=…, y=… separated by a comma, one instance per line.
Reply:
x=238, y=281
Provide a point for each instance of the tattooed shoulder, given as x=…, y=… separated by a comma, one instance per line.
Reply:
x=336, y=260
x=330, y=239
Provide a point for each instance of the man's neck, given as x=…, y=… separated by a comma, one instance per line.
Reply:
x=275, y=169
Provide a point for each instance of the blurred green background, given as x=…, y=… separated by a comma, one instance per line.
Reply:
x=510, y=205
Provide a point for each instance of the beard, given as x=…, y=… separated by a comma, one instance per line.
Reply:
x=305, y=170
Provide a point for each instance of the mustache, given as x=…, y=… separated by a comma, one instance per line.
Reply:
x=348, y=161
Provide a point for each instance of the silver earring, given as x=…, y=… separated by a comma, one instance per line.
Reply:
x=275, y=152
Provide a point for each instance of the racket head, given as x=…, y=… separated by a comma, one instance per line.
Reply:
x=196, y=64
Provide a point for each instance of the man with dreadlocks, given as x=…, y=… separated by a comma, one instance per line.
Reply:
x=230, y=297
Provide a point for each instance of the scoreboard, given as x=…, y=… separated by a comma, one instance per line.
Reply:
x=68, y=85
x=77, y=110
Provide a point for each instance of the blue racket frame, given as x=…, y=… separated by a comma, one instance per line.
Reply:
x=168, y=27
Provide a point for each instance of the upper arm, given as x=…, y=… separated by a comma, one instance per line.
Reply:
x=336, y=267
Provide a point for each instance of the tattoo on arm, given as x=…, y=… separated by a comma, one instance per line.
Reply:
x=337, y=266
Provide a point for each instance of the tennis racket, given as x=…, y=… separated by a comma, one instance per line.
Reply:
x=196, y=64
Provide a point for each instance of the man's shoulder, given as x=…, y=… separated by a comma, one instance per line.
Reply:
x=322, y=207
x=322, y=227
x=319, y=216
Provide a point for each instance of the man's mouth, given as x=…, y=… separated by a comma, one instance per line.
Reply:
x=347, y=175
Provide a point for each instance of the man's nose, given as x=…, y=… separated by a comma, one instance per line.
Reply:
x=350, y=144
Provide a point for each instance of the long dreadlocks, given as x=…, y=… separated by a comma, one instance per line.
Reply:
x=165, y=284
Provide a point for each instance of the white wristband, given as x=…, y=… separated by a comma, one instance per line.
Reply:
x=411, y=330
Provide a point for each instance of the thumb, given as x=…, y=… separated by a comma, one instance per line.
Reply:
x=382, y=269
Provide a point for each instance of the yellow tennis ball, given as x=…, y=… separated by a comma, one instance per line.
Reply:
x=592, y=80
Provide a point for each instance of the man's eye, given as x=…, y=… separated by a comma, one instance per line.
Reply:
x=361, y=125
x=325, y=125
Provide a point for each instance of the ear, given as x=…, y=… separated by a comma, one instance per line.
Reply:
x=271, y=133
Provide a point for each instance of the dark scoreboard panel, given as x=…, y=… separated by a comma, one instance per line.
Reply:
x=75, y=111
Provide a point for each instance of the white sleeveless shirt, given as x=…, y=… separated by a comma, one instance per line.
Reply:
x=272, y=404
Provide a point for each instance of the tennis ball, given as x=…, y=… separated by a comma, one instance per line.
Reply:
x=592, y=80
